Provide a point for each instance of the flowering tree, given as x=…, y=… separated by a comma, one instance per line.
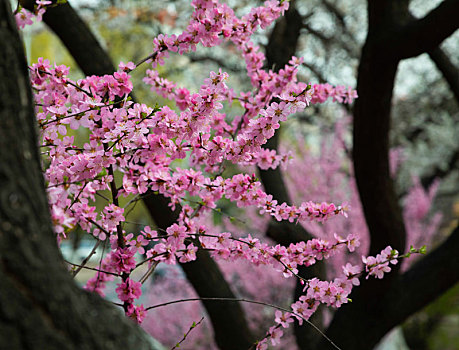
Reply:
x=143, y=142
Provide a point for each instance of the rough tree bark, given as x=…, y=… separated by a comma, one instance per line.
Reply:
x=40, y=305
x=229, y=323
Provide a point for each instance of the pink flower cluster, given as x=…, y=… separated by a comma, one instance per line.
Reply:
x=332, y=293
x=24, y=17
x=224, y=246
x=129, y=290
x=379, y=265
x=143, y=144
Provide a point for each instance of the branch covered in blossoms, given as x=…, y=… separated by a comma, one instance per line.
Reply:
x=330, y=293
x=143, y=144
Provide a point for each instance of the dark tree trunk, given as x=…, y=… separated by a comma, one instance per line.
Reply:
x=381, y=305
x=40, y=305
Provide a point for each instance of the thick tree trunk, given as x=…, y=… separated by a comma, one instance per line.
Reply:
x=381, y=305
x=40, y=305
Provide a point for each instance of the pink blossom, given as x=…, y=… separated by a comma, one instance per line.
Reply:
x=129, y=290
x=283, y=318
x=136, y=312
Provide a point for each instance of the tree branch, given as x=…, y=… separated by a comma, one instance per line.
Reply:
x=425, y=34
x=316, y=72
x=208, y=281
x=327, y=41
x=439, y=173
x=448, y=69
x=337, y=14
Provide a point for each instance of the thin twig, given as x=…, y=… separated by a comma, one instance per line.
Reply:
x=250, y=302
x=85, y=261
x=93, y=269
x=102, y=196
x=152, y=56
x=100, y=266
x=131, y=209
x=149, y=272
x=119, y=230
x=58, y=119
x=98, y=226
x=66, y=82
x=136, y=198
x=78, y=196
x=193, y=326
